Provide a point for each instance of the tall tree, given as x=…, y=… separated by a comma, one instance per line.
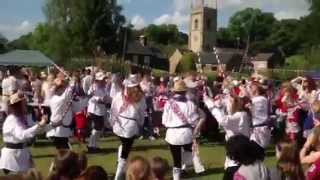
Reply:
x=3, y=43
x=84, y=25
x=251, y=26
x=165, y=34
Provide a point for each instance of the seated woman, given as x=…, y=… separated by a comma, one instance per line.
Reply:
x=15, y=156
x=250, y=156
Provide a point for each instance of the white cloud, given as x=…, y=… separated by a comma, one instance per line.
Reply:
x=289, y=15
x=176, y=18
x=138, y=22
x=15, y=31
x=180, y=15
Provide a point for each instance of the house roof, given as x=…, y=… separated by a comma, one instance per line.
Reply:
x=225, y=55
x=136, y=47
x=263, y=57
x=25, y=58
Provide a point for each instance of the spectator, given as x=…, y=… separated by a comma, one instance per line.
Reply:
x=250, y=156
x=93, y=173
x=288, y=165
x=139, y=169
x=160, y=168
x=67, y=166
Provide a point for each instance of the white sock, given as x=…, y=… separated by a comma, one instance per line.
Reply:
x=176, y=172
x=121, y=169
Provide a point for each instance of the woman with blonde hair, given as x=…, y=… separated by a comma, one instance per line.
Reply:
x=127, y=115
x=139, y=169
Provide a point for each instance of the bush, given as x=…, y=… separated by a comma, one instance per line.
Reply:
x=187, y=63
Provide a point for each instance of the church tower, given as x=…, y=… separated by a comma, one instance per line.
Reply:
x=203, y=25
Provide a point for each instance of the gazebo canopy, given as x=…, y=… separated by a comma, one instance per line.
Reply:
x=25, y=58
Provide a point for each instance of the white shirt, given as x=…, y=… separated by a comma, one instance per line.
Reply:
x=9, y=85
x=98, y=94
x=179, y=136
x=59, y=106
x=86, y=83
x=259, y=110
x=237, y=123
x=128, y=123
x=16, y=160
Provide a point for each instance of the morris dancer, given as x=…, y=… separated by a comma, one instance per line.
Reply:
x=15, y=156
x=97, y=109
x=61, y=113
x=261, y=132
x=127, y=115
x=180, y=116
x=237, y=122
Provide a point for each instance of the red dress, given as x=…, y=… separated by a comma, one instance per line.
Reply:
x=81, y=124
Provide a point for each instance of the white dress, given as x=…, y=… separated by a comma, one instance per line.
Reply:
x=180, y=136
x=16, y=160
x=128, y=122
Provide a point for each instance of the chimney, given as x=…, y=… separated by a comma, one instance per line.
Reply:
x=143, y=40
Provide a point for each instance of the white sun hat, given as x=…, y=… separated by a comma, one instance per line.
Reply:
x=100, y=76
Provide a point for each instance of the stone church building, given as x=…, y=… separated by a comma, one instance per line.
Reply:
x=202, y=40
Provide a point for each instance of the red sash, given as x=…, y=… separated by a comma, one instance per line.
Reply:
x=176, y=109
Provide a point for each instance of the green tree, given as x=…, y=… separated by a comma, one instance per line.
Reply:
x=187, y=63
x=21, y=43
x=252, y=26
x=3, y=44
x=76, y=28
x=286, y=35
x=165, y=34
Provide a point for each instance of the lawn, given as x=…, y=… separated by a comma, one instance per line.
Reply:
x=212, y=155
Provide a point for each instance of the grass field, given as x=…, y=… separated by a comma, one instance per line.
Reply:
x=212, y=155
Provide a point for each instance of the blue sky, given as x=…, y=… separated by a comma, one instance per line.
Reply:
x=18, y=17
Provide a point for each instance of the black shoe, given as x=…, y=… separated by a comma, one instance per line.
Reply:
x=91, y=150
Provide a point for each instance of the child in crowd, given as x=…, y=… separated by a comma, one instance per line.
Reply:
x=288, y=164
x=250, y=157
x=92, y=173
x=160, y=168
x=139, y=169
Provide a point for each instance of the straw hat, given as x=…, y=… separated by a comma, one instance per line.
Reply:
x=17, y=97
x=100, y=76
x=131, y=82
x=179, y=86
x=43, y=75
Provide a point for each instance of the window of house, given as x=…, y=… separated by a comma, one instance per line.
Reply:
x=147, y=60
x=196, y=24
x=135, y=59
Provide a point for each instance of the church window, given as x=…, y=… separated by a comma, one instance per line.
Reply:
x=208, y=24
x=196, y=24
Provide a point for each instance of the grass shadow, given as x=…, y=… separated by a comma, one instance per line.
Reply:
x=208, y=172
x=43, y=156
x=150, y=147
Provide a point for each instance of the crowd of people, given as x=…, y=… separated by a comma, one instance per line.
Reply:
x=254, y=113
